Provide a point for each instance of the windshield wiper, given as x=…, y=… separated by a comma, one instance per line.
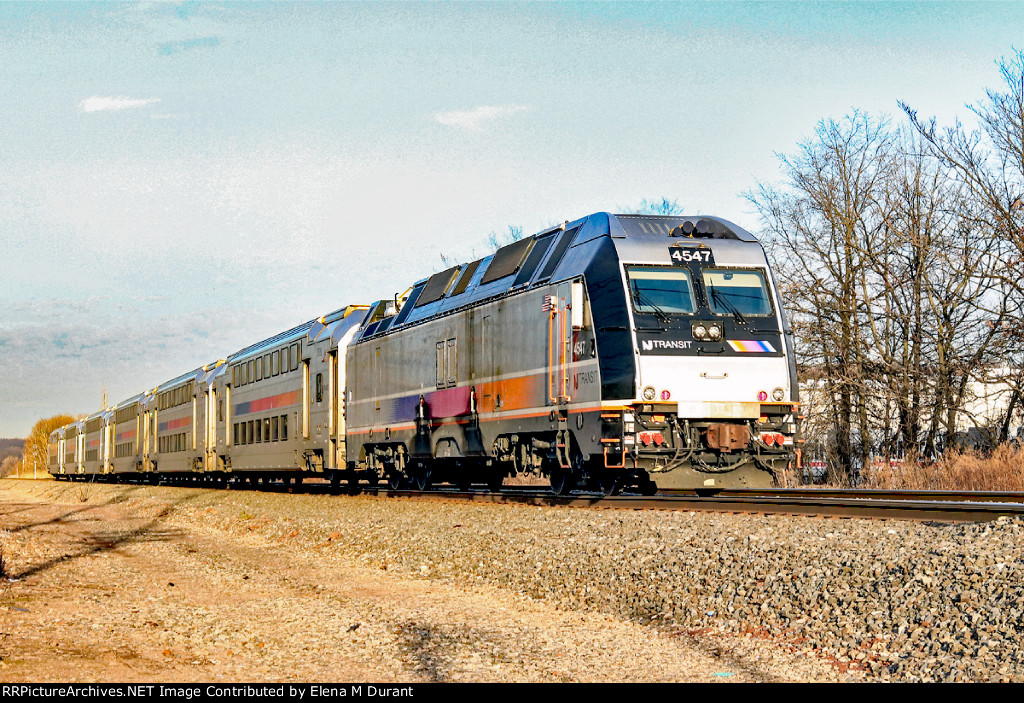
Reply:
x=645, y=301
x=727, y=304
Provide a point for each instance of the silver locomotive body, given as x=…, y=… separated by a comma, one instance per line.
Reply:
x=612, y=352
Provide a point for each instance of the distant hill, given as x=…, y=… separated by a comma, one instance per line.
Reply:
x=11, y=447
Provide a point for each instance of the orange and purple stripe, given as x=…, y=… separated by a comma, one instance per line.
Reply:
x=269, y=403
x=750, y=345
x=175, y=424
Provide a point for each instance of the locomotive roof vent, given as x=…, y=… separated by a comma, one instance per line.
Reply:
x=693, y=226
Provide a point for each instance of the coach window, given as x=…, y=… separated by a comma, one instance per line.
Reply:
x=251, y=372
x=259, y=368
x=273, y=428
x=284, y=427
x=284, y=359
x=266, y=429
x=266, y=366
x=319, y=387
x=274, y=360
x=295, y=356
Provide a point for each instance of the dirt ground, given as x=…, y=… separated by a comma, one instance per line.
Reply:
x=119, y=590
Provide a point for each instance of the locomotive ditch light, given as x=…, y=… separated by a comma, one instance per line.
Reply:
x=700, y=331
x=648, y=393
x=714, y=332
x=778, y=394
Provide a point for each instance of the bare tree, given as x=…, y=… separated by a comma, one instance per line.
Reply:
x=989, y=162
x=663, y=206
x=825, y=226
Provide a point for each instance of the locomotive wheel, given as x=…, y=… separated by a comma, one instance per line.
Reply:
x=396, y=479
x=562, y=481
x=609, y=482
x=648, y=487
x=495, y=480
x=422, y=477
x=463, y=478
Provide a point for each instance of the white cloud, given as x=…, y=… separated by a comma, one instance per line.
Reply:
x=475, y=118
x=100, y=104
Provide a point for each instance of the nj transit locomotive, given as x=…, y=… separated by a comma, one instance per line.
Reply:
x=613, y=352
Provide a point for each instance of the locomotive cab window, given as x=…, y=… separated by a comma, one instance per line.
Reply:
x=660, y=289
x=732, y=292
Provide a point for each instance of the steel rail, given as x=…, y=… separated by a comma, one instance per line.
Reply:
x=939, y=506
x=860, y=493
x=821, y=506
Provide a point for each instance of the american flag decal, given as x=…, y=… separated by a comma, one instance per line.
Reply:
x=549, y=303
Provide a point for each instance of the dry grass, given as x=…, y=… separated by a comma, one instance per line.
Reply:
x=4, y=534
x=1002, y=470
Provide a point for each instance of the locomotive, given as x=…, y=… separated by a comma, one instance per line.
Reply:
x=615, y=352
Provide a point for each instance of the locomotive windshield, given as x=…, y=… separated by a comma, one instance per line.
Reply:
x=660, y=290
x=732, y=292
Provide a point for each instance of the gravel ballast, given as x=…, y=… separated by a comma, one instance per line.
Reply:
x=880, y=600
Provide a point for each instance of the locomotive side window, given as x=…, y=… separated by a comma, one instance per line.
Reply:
x=453, y=364
x=319, y=387
x=446, y=364
x=439, y=368
x=732, y=292
x=659, y=289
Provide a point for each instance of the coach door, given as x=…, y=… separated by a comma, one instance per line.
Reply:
x=335, y=423
x=210, y=396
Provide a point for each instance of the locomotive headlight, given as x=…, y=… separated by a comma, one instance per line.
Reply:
x=715, y=332
x=648, y=393
x=700, y=332
x=778, y=395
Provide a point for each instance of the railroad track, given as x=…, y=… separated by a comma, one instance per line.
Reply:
x=945, y=506
x=941, y=506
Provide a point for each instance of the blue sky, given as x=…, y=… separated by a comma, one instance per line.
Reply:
x=181, y=179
